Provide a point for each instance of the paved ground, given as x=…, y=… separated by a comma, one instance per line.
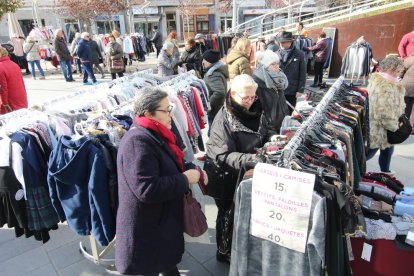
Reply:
x=60, y=256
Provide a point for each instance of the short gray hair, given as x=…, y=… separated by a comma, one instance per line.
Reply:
x=391, y=64
x=84, y=34
x=78, y=35
x=57, y=31
x=243, y=81
x=149, y=100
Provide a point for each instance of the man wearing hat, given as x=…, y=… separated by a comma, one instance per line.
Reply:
x=200, y=40
x=292, y=63
x=216, y=74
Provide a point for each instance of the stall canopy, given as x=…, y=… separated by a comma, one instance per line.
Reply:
x=14, y=26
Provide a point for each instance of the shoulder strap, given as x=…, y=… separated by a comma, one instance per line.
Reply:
x=31, y=48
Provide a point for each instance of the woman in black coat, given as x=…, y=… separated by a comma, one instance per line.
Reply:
x=272, y=82
x=191, y=57
x=238, y=129
x=152, y=183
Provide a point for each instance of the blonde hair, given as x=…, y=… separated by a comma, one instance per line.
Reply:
x=242, y=44
x=116, y=33
x=78, y=35
x=242, y=82
x=3, y=52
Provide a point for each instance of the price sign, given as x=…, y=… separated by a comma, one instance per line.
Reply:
x=281, y=204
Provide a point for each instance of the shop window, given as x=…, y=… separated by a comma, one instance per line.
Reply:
x=188, y=24
x=105, y=27
x=28, y=24
x=202, y=23
x=223, y=21
x=171, y=22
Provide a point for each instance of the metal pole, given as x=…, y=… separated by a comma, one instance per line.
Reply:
x=235, y=15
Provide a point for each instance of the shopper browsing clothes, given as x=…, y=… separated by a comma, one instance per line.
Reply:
x=292, y=63
x=18, y=43
x=63, y=55
x=191, y=58
x=386, y=104
x=239, y=59
x=152, y=181
x=321, y=51
x=166, y=60
x=238, y=129
x=114, y=52
x=272, y=83
x=31, y=49
x=12, y=90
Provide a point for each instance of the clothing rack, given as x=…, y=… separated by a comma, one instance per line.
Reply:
x=177, y=79
x=317, y=113
x=94, y=89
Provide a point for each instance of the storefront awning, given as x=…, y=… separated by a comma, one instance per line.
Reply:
x=143, y=19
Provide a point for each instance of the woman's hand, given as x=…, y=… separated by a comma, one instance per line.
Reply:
x=193, y=176
x=205, y=177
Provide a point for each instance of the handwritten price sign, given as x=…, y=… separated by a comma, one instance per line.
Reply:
x=281, y=204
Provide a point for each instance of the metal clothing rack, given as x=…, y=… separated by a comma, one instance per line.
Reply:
x=315, y=117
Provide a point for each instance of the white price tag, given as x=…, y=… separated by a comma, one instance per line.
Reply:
x=366, y=252
x=410, y=238
x=281, y=204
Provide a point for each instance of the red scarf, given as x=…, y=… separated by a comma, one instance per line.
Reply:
x=165, y=134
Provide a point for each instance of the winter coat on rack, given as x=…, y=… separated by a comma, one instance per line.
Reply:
x=166, y=64
x=12, y=89
x=113, y=49
x=150, y=215
x=408, y=80
x=192, y=59
x=216, y=81
x=295, y=71
x=32, y=53
x=61, y=49
x=78, y=186
x=386, y=104
x=239, y=63
x=232, y=144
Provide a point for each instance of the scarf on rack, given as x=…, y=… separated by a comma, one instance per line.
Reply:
x=273, y=80
x=165, y=134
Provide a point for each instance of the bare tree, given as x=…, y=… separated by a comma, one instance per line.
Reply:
x=9, y=6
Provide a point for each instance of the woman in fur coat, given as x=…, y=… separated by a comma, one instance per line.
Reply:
x=386, y=105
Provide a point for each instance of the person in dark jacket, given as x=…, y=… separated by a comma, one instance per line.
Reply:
x=152, y=182
x=238, y=129
x=63, y=55
x=191, y=58
x=215, y=77
x=96, y=55
x=272, y=84
x=292, y=63
x=157, y=40
x=321, y=51
x=85, y=55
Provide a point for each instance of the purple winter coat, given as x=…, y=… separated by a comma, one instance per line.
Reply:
x=149, y=226
x=320, y=50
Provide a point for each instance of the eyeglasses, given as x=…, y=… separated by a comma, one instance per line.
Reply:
x=248, y=98
x=168, y=110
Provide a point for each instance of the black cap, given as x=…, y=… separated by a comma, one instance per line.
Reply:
x=211, y=56
x=286, y=36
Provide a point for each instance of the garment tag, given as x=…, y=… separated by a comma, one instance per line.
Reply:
x=366, y=252
x=102, y=124
x=19, y=195
x=410, y=238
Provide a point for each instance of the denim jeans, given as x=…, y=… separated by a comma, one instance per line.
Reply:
x=32, y=67
x=66, y=69
x=87, y=70
x=384, y=159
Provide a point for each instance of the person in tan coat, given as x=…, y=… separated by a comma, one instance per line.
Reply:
x=239, y=59
x=386, y=105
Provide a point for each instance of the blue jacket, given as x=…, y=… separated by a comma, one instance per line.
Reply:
x=85, y=51
x=78, y=186
x=149, y=226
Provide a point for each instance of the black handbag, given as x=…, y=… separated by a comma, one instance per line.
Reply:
x=402, y=133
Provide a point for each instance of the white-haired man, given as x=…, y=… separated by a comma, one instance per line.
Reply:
x=63, y=55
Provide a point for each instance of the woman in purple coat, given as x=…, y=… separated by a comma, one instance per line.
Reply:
x=152, y=183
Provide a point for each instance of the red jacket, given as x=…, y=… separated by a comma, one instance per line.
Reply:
x=12, y=89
